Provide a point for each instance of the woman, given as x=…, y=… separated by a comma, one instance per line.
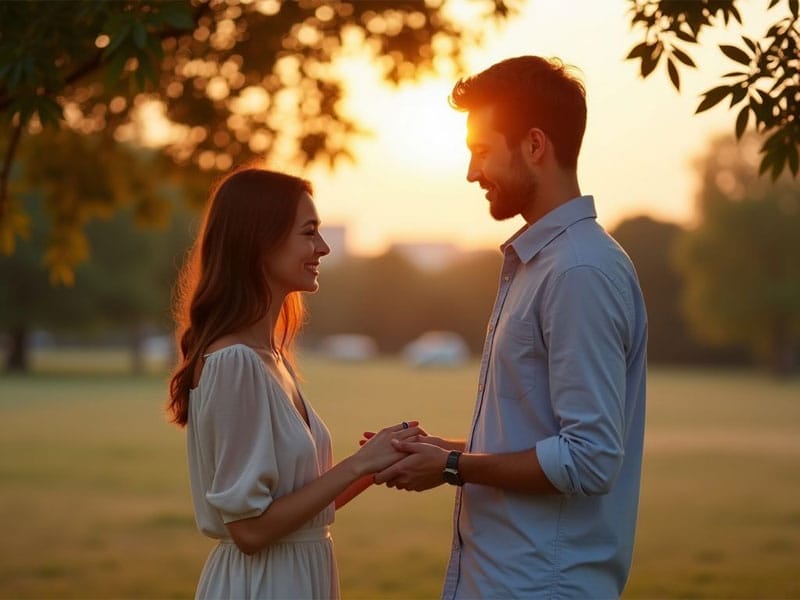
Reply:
x=262, y=475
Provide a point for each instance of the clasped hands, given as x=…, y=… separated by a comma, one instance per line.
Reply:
x=420, y=468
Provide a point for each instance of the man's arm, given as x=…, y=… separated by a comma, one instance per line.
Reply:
x=422, y=469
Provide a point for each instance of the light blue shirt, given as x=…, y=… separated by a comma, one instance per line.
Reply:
x=563, y=371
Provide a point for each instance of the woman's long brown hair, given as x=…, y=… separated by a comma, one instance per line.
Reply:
x=223, y=287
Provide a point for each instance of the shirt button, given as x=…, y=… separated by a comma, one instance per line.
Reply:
x=491, y=327
x=480, y=387
x=506, y=278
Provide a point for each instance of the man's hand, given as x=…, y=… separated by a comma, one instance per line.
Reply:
x=421, y=470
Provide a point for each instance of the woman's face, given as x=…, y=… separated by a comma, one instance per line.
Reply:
x=294, y=266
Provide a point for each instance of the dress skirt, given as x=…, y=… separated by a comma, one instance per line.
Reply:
x=300, y=566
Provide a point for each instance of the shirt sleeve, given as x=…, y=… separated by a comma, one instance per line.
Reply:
x=238, y=413
x=586, y=325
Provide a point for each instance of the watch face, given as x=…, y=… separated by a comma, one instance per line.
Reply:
x=451, y=477
x=451, y=469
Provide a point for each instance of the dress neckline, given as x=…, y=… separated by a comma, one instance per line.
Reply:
x=274, y=381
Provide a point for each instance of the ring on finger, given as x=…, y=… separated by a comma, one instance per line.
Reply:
x=405, y=424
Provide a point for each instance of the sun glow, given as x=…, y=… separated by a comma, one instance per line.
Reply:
x=420, y=130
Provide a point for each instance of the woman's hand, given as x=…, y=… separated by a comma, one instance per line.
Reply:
x=368, y=435
x=377, y=451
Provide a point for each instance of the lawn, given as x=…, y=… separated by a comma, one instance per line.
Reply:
x=95, y=501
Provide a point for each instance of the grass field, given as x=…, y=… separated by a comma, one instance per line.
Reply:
x=95, y=502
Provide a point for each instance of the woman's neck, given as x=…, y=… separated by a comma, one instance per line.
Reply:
x=260, y=335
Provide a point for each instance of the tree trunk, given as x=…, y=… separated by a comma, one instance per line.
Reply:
x=18, y=355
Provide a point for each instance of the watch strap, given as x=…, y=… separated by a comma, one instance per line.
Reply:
x=451, y=474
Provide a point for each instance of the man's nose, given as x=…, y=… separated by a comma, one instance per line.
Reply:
x=473, y=173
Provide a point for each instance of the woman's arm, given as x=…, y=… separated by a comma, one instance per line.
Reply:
x=287, y=513
x=354, y=489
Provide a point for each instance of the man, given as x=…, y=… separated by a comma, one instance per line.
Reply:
x=548, y=478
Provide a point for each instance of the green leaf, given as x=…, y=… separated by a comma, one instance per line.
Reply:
x=762, y=111
x=750, y=43
x=766, y=163
x=139, y=35
x=114, y=69
x=686, y=36
x=649, y=64
x=735, y=53
x=155, y=47
x=50, y=112
x=117, y=38
x=638, y=51
x=713, y=97
x=147, y=66
x=16, y=76
x=673, y=74
x=738, y=94
x=683, y=57
x=741, y=122
x=779, y=160
x=177, y=15
x=140, y=78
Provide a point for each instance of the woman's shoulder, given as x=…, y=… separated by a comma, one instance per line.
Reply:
x=224, y=358
x=226, y=344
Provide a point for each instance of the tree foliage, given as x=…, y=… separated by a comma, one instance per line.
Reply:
x=137, y=246
x=742, y=263
x=393, y=301
x=651, y=244
x=765, y=87
x=237, y=78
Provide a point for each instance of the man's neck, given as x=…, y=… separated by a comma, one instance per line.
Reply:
x=552, y=193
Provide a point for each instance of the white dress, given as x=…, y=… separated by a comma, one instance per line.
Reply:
x=247, y=445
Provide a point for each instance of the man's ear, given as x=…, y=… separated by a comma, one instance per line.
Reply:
x=535, y=144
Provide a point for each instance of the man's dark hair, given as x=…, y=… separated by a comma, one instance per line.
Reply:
x=528, y=92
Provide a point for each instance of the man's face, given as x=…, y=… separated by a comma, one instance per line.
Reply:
x=501, y=171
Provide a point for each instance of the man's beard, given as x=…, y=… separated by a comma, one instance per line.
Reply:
x=515, y=193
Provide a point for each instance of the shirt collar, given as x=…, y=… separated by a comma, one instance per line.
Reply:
x=530, y=239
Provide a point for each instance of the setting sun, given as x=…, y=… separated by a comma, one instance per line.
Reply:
x=422, y=131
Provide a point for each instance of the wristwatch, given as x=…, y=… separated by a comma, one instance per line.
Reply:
x=451, y=469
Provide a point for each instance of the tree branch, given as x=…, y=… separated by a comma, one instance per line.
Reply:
x=6, y=169
x=96, y=61
x=90, y=66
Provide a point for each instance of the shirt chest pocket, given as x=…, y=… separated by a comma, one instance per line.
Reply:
x=518, y=364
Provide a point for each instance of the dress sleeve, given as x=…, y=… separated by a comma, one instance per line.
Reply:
x=239, y=418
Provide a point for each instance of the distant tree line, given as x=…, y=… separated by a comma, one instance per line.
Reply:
x=725, y=292
x=392, y=301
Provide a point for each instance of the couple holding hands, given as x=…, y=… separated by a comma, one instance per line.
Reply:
x=547, y=477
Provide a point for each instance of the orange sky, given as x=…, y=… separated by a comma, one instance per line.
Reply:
x=641, y=140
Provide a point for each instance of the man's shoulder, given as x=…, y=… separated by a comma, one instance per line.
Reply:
x=587, y=244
